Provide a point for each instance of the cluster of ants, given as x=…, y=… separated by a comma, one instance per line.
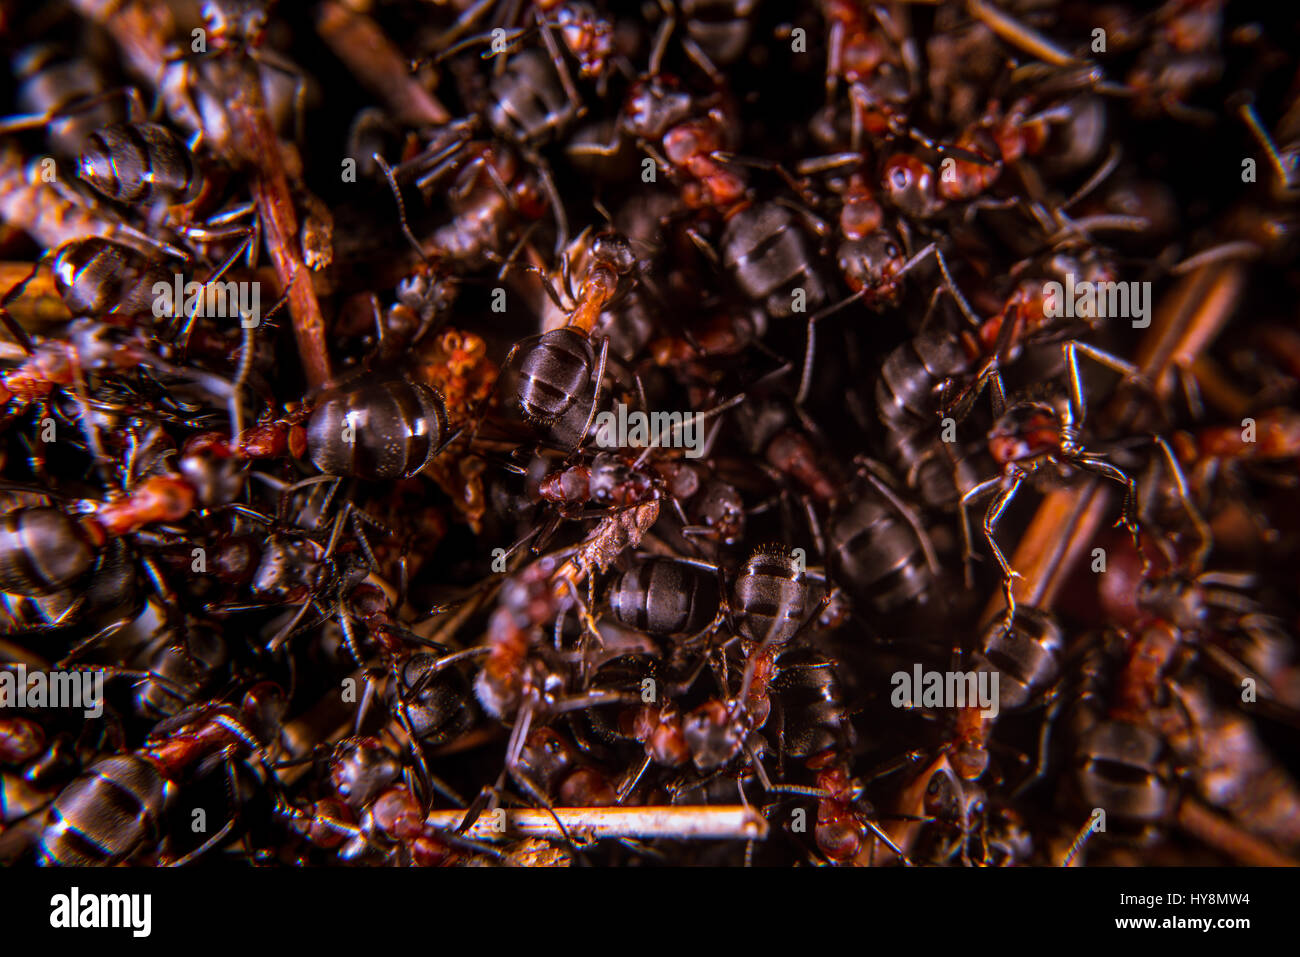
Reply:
x=369, y=585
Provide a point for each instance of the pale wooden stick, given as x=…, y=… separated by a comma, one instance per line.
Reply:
x=710, y=822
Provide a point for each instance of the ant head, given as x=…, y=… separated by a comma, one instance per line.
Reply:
x=615, y=250
x=546, y=756
x=427, y=290
x=1174, y=599
x=218, y=479
x=713, y=734
x=20, y=740
x=236, y=22
x=361, y=768
x=263, y=708
x=873, y=265
x=910, y=186
x=720, y=509
x=1026, y=429
x=654, y=105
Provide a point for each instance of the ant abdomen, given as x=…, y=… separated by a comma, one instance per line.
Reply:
x=552, y=372
x=42, y=550
x=139, y=162
x=380, y=431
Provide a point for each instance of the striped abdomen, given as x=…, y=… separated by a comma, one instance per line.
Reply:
x=660, y=596
x=139, y=163
x=98, y=277
x=877, y=557
x=384, y=430
x=552, y=372
x=770, y=597
x=106, y=815
x=42, y=550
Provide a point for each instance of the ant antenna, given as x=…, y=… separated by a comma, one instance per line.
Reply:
x=401, y=206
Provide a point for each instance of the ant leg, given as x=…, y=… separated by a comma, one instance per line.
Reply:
x=1080, y=840
x=1040, y=765
x=575, y=108
x=477, y=40
x=363, y=706
x=959, y=405
x=424, y=776
x=231, y=215
x=751, y=751
x=442, y=161
x=508, y=263
x=723, y=156
x=1236, y=249
x=206, y=846
x=912, y=518
x=967, y=541
x=547, y=286
x=12, y=326
x=29, y=121
x=664, y=31
x=962, y=305
x=991, y=518
x=1204, y=537
x=354, y=516
x=1129, y=517
x=698, y=417
x=824, y=164
x=704, y=246
x=349, y=636
x=108, y=631
x=241, y=379
x=16, y=330
x=1070, y=353
x=1285, y=176
x=565, y=276
x=466, y=20
x=1188, y=385
x=476, y=809
x=585, y=616
x=513, y=752
x=273, y=61
x=630, y=782
x=701, y=59
x=595, y=149
x=834, y=59
x=112, y=671
x=805, y=378
x=336, y=532
x=595, y=399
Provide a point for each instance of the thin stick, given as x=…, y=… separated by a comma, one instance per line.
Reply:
x=1219, y=833
x=275, y=207
x=1020, y=35
x=711, y=822
x=362, y=46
